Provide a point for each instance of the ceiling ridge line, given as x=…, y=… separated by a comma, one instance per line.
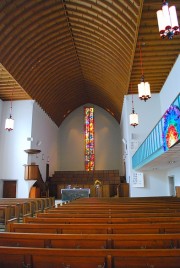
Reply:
x=71, y=33
x=139, y=16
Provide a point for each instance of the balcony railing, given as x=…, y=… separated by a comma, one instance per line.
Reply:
x=153, y=145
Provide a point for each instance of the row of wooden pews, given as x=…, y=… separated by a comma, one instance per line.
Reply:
x=97, y=232
x=17, y=208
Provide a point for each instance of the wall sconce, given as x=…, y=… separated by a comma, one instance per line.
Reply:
x=38, y=143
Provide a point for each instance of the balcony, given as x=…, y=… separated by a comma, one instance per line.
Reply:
x=162, y=142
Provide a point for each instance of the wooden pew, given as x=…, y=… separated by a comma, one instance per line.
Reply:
x=26, y=207
x=111, y=241
x=51, y=218
x=89, y=258
x=96, y=200
x=132, y=228
x=30, y=205
x=10, y=211
x=76, y=214
x=5, y=214
x=126, y=203
x=173, y=205
x=110, y=245
x=19, y=207
x=124, y=207
x=40, y=203
x=116, y=208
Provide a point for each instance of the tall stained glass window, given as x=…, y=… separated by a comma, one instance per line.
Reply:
x=89, y=138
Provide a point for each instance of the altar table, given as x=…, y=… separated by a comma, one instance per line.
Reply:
x=72, y=194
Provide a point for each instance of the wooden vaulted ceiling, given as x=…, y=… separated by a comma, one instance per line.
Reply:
x=66, y=53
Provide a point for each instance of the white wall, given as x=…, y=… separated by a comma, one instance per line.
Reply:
x=155, y=184
x=175, y=172
x=171, y=88
x=1, y=182
x=71, y=141
x=30, y=122
x=125, y=164
x=13, y=144
x=71, y=144
x=107, y=145
x=150, y=112
x=1, y=108
x=45, y=138
x=169, y=92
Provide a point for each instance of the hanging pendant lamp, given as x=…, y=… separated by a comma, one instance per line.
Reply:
x=143, y=87
x=167, y=21
x=133, y=117
x=9, y=123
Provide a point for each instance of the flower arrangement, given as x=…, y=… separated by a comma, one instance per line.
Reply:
x=97, y=183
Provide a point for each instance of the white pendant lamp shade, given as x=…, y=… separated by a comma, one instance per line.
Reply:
x=9, y=124
x=133, y=119
x=161, y=23
x=174, y=19
x=144, y=91
x=166, y=15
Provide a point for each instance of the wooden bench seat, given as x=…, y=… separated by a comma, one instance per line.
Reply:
x=5, y=214
x=151, y=228
x=102, y=209
x=19, y=207
x=113, y=241
x=99, y=235
x=155, y=199
x=121, y=205
x=89, y=258
x=76, y=214
x=10, y=211
x=51, y=218
x=40, y=203
x=26, y=206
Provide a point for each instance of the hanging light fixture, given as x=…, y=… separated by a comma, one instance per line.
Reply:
x=133, y=117
x=143, y=87
x=9, y=123
x=167, y=21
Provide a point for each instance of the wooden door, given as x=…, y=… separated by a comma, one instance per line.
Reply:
x=9, y=189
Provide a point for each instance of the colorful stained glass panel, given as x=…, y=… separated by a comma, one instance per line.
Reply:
x=89, y=138
x=171, y=130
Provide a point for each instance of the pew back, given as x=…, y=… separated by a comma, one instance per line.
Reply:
x=132, y=228
x=111, y=241
x=89, y=258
